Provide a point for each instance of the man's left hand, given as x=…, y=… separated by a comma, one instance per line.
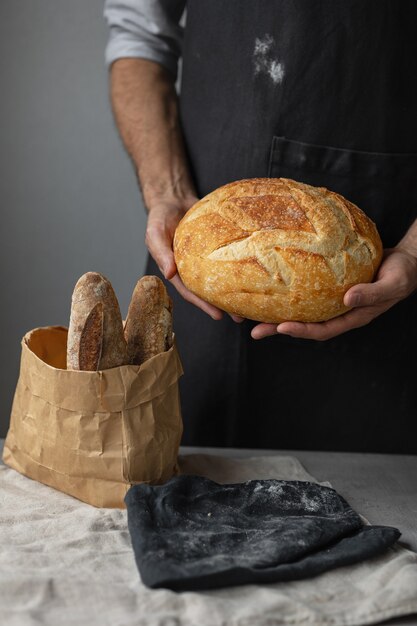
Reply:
x=395, y=280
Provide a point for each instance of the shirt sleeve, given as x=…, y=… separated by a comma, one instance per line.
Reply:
x=146, y=29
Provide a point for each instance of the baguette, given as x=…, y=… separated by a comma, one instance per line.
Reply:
x=91, y=340
x=95, y=334
x=148, y=327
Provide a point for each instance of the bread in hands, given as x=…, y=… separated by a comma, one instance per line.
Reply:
x=273, y=249
x=148, y=326
x=95, y=334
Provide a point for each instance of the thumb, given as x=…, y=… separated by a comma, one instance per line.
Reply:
x=367, y=294
x=159, y=244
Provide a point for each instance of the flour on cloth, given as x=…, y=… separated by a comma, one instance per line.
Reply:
x=194, y=534
x=65, y=562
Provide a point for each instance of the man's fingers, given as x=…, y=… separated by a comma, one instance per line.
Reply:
x=211, y=310
x=367, y=294
x=389, y=285
x=321, y=331
x=263, y=330
x=159, y=245
x=237, y=318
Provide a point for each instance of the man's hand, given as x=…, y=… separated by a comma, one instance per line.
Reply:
x=162, y=222
x=395, y=280
x=145, y=107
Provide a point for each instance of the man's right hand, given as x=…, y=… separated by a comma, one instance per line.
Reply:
x=162, y=221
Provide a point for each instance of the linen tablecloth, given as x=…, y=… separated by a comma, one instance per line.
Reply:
x=65, y=562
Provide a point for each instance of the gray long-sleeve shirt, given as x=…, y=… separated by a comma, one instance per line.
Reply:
x=146, y=29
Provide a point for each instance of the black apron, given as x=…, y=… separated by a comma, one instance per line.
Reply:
x=323, y=92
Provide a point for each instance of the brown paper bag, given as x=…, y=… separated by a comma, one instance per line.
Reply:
x=93, y=434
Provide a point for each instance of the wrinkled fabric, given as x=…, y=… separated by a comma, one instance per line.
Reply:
x=146, y=30
x=65, y=562
x=192, y=533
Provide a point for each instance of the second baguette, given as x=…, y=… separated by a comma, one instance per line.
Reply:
x=148, y=327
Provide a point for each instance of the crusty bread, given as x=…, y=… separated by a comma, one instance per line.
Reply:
x=95, y=334
x=273, y=249
x=148, y=327
x=91, y=340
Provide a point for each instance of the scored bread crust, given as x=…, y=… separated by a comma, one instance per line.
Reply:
x=107, y=346
x=91, y=340
x=274, y=249
x=148, y=326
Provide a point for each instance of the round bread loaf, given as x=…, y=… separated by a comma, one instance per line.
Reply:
x=273, y=249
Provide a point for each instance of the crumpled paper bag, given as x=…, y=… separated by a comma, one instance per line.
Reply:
x=93, y=434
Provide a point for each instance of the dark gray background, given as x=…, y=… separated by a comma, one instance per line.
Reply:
x=69, y=197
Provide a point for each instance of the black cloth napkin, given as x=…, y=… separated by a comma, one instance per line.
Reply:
x=192, y=533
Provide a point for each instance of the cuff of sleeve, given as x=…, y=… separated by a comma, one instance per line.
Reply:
x=119, y=50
